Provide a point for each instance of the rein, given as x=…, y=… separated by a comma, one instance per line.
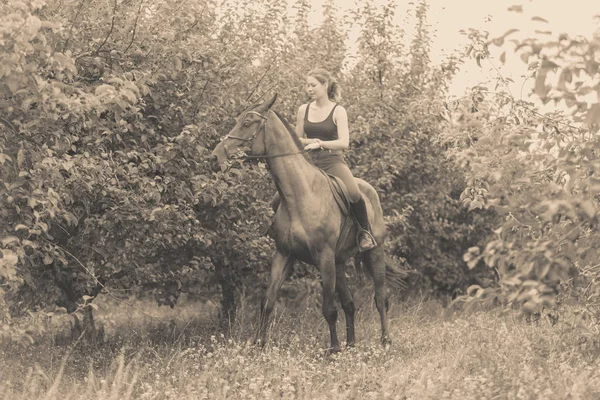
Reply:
x=262, y=125
x=253, y=157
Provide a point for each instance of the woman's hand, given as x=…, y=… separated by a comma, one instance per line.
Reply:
x=314, y=145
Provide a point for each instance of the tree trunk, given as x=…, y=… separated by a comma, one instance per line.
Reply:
x=70, y=300
x=228, y=304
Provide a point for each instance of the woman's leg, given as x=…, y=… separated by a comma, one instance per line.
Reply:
x=343, y=172
x=366, y=241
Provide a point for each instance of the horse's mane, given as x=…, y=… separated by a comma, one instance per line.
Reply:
x=290, y=129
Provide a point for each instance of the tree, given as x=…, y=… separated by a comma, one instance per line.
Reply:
x=396, y=120
x=103, y=144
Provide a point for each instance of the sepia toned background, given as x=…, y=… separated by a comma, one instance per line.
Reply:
x=131, y=268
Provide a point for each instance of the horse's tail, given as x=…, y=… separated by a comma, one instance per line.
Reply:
x=395, y=277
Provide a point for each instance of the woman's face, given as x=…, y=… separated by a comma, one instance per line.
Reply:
x=315, y=89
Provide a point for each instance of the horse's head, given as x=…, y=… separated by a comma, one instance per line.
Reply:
x=246, y=135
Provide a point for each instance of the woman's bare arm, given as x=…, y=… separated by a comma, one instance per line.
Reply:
x=340, y=117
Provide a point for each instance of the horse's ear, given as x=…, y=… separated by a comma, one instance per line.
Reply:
x=269, y=103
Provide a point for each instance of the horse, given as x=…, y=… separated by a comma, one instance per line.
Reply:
x=309, y=224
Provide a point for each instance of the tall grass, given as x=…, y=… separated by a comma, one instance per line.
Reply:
x=437, y=354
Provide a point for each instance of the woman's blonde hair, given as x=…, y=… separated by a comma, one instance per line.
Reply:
x=334, y=91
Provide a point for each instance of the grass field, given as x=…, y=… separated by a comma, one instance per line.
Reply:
x=436, y=354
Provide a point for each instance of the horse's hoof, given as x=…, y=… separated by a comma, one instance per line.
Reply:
x=386, y=342
x=332, y=350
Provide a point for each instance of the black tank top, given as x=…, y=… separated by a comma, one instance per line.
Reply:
x=324, y=130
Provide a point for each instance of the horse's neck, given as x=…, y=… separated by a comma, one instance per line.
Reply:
x=293, y=174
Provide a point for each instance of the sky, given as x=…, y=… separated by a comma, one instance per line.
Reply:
x=448, y=17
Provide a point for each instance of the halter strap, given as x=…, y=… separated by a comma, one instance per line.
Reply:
x=264, y=122
x=257, y=113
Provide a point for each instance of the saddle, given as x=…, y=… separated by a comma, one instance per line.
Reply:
x=340, y=193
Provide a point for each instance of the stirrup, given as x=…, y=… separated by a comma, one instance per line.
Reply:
x=362, y=245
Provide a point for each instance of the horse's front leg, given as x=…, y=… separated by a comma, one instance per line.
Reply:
x=326, y=265
x=281, y=267
x=347, y=300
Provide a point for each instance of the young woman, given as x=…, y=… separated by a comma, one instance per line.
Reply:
x=322, y=125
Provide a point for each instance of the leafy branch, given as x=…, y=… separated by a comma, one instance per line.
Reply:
x=263, y=76
x=70, y=34
x=139, y=12
x=112, y=27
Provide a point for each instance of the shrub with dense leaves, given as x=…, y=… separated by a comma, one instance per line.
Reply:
x=103, y=156
x=538, y=170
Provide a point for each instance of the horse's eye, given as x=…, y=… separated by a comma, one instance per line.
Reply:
x=247, y=123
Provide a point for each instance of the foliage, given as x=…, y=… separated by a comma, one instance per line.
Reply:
x=109, y=110
x=103, y=148
x=538, y=170
x=396, y=135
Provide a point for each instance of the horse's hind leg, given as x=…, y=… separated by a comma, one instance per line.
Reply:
x=281, y=267
x=347, y=300
x=375, y=262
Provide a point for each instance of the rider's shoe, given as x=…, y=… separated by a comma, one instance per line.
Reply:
x=366, y=241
